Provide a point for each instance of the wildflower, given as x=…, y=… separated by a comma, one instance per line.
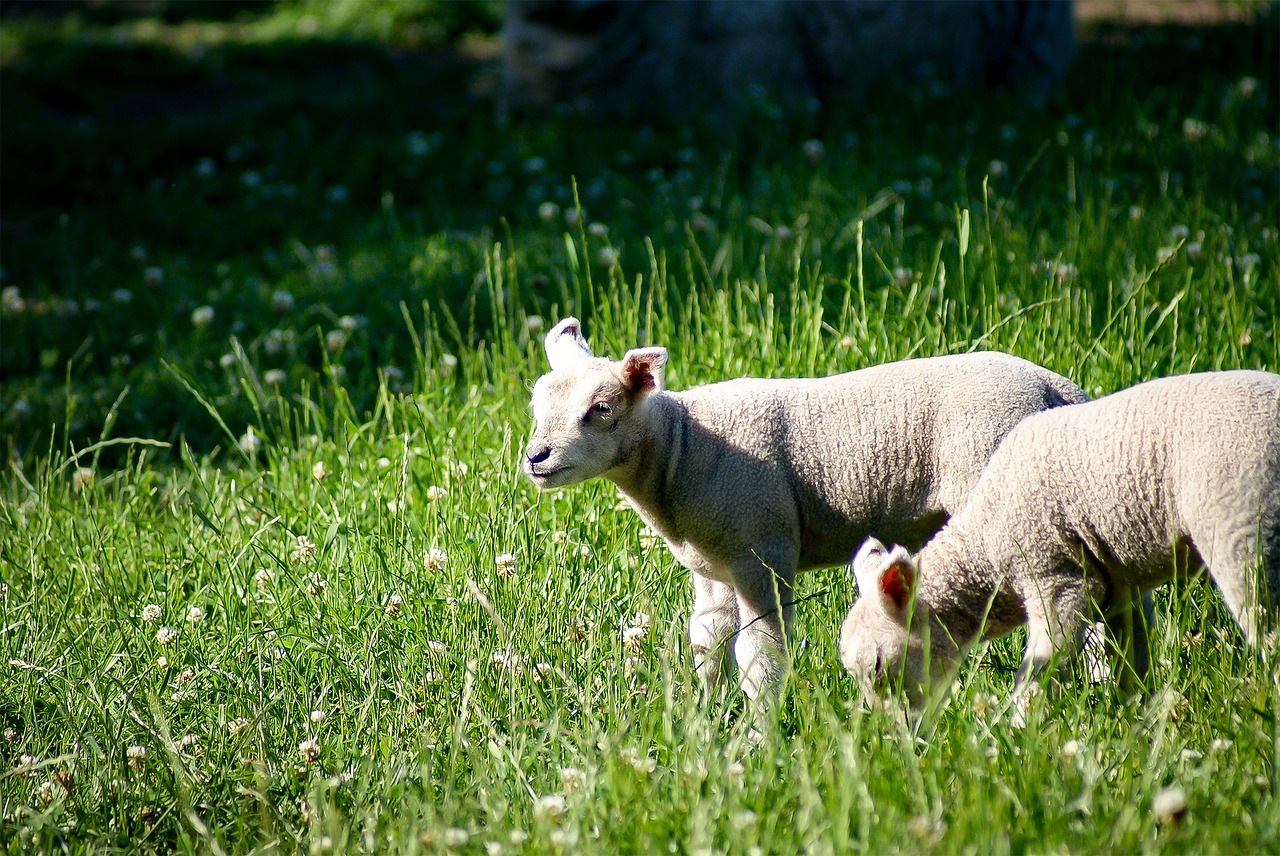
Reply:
x=24, y=765
x=45, y=792
x=997, y=169
x=304, y=548
x=1135, y=213
x=82, y=478
x=317, y=716
x=435, y=648
x=275, y=377
x=201, y=317
x=162, y=662
x=1164, y=254
x=549, y=807
x=548, y=211
x=435, y=492
x=184, y=676
x=1179, y=233
x=195, y=615
x=814, y=151
x=11, y=301
x=1169, y=805
x=316, y=586
x=122, y=295
x=639, y=763
x=137, y=756
x=394, y=605
x=190, y=743
x=434, y=559
x=901, y=276
x=318, y=471
x=238, y=726
x=539, y=670
x=534, y=324
x=11, y=735
x=572, y=779
x=151, y=613
x=584, y=551
x=1194, y=130
x=577, y=630
x=281, y=302
x=334, y=340
x=153, y=276
x=607, y=256
x=262, y=579
x=506, y=564
x=735, y=772
x=648, y=538
x=166, y=635
x=1247, y=86
x=1071, y=749
x=250, y=443
x=1065, y=273
x=309, y=750
x=455, y=837
x=507, y=662
x=448, y=362
x=744, y=819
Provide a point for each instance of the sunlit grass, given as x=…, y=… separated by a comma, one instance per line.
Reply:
x=262, y=516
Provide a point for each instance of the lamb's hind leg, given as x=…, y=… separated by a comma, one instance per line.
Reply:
x=1249, y=587
x=714, y=620
x=765, y=610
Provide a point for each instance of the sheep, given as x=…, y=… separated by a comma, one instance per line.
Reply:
x=1078, y=511
x=750, y=480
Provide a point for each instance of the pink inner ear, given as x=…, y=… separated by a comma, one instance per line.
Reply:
x=638, y=376
x=896, y=582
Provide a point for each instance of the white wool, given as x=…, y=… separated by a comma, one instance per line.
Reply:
x=1082, y=509
x=750, y=480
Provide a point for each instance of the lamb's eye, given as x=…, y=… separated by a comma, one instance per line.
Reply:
x=603, y=408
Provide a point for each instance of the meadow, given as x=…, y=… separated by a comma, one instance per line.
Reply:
x=271, y=581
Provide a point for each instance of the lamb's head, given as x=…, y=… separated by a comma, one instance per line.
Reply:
x=879, y=640
x=587, y=409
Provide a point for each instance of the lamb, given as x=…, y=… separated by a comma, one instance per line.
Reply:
x=751, y=480
x=1078, y=511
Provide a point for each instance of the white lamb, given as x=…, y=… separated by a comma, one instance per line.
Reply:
x=1081, y=510
x=750, y=480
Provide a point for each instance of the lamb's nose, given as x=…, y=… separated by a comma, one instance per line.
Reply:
x=540, y=455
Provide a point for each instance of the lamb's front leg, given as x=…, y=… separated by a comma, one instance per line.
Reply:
x=713, y=622
x=1054, y=623
x=765, y=609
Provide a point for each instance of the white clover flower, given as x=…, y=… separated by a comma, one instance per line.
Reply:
x=151, y=613
x=82, y=478
x=997, y=169
x=202, y=316
x=274, y=377
x=507, y=662
x=162, y=662
x=505, y=564
x=195, y=615
x=434, y=559
x=640, y=763
x=394, y=605
x=262, y=579
x=435, y=492
x=317, y=716
x=1072, y=749
x=304, y=548
x=137, y=756
x=448, y=362
x=250, y=443
x=435, y=648
x=184, y=676
x=548, y=211
x=238, y=726
x=309, y=750
x=584, y=551
x=166, y=635
x=549, y=807
x=1194, y=130
x=572, y=779
x=122, y=295
x=319, y=471
x=1164, y=254
x=455, y=836
x=607, y=256
x=334, y=340
x=735, y=772
x=534, y=324
x=281, y=302
x=45, y=792
x=1169, y=805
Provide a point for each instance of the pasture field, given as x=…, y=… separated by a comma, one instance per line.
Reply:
x=272, y=582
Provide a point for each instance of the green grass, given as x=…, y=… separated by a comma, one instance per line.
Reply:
x=379, y=254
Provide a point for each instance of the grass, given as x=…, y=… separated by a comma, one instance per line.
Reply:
x=243, y=309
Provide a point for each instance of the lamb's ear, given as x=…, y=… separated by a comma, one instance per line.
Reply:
x=887, y=574
x=565, y=344
x=641, y=369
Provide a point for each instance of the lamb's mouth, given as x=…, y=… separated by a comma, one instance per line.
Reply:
x=546, y=474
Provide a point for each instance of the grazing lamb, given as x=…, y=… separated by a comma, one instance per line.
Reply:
x=750, y=480
x=1080, y=510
